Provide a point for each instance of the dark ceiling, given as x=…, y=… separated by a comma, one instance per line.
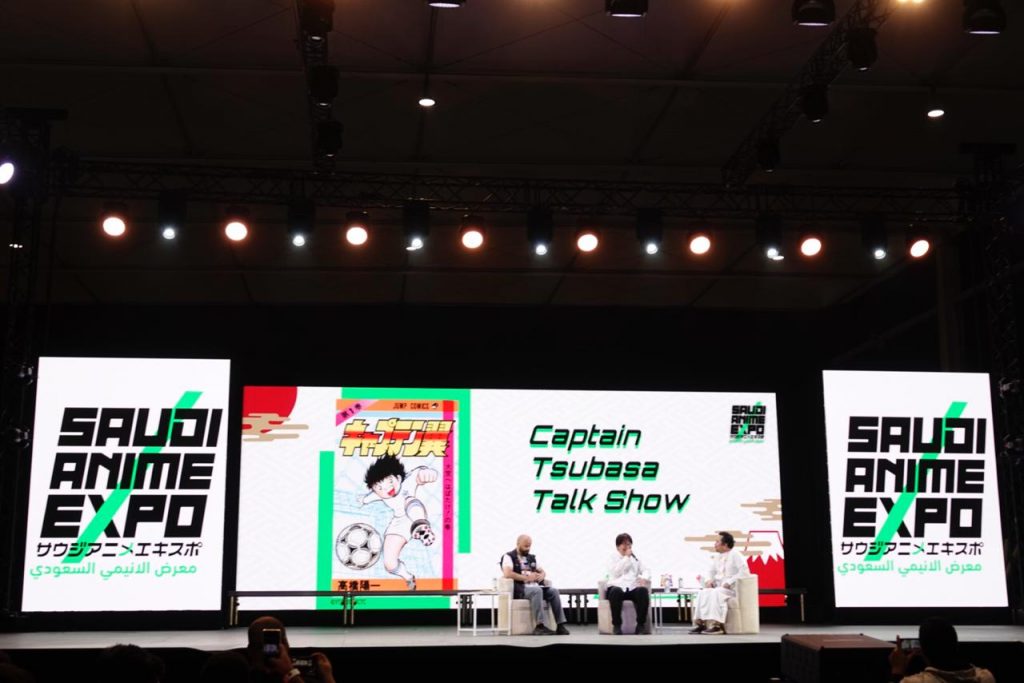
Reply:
x=525, y=89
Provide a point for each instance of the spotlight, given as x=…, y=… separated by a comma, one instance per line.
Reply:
x=236, y=228
x=626, y=9
x=6, y=171
x=427, y=101
x=301, y=216
x=649, y=230
x=768, y=230
x=700, y=243
x=814, y=102
x=415, y=224
x=586, y=237
x=814, y=12
x=935, y=111
x=873, y=237
x=984, y=17
x=115, y=222
x=861, y=47
x=323, y=84
x=540, y=229
x=446, y=4
x=171, y=207
x=918, y=244
x=316, y=18
x=768, y=157
x=356, y=233
x=328, y=138
x=810, y=245
x=472, y=232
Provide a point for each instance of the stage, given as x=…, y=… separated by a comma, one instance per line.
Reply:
x=445, y=636
x=54, y=656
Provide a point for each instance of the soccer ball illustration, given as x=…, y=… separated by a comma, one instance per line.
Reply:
x=358, y=546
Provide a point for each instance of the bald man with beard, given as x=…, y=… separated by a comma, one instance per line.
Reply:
x=520, y=566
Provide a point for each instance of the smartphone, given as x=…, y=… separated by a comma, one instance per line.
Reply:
x=307, y=667
x=908, y=644
x=271, y=643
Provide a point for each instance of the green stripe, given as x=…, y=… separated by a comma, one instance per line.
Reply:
x=119, y=495
x=402, y=602
x=325, y=531
x=902, y=506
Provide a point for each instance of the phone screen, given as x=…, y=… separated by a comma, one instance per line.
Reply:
x=271, y=642
x=908, y=644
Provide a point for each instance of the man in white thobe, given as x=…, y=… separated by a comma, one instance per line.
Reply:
x=727, y=566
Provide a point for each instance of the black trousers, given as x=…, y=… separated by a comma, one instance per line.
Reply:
x=640, y=597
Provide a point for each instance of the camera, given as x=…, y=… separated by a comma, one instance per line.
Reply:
x=271, y=643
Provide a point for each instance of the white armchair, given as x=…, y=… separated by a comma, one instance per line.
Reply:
x=744, y=615
x=518, y=611
x=604, y=613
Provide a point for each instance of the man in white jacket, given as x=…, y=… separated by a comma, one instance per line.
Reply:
x=727, y=566
x=627, y=580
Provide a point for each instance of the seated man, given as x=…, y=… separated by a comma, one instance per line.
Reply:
x=520, y=566
x=727, y=566
x=627, y=581
x=939, y=646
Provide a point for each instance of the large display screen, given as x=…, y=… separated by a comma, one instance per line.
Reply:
x=913, y=492
x=126, y=498
x=375, y=489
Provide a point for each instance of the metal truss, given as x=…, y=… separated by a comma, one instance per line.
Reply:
x=26, y=132
x=115, y=180
x=823, y=68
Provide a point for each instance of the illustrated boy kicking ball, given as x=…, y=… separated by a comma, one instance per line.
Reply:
x=389, y=484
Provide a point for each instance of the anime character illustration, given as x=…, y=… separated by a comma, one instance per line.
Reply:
x=390, y=484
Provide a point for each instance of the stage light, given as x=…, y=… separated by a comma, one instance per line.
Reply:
x=626, y=9
x=810, y=245
x=415, y=224
x=446, y=4
x=540, y=229
x=874, y=237
x=768, y=230
x=861, y=47
x=236, y=227
x=472, y=232
x=323, y=84
x=768, y=156
x=316, y=18
x=115, y=221
x=936, y=112
x=427, y=101
x=814, y=12
x=6, y=171
x=171, y=210
x=814, y=102
x=356, y=232
x=649, y=230
x=587, y=240
x=984, y=17
x=328, y=138
x=699, y=243
x=301, y=218
x=918, y=244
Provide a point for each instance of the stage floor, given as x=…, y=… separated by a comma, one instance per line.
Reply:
x=445, y=636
